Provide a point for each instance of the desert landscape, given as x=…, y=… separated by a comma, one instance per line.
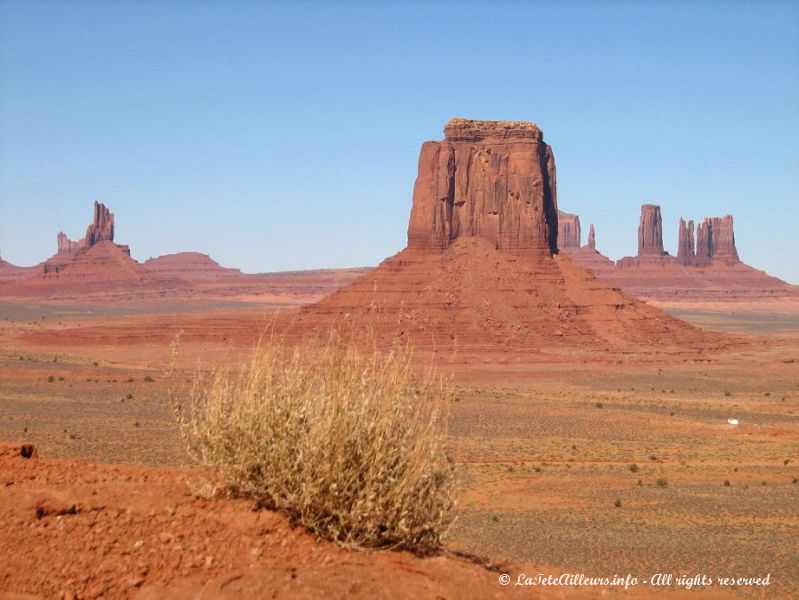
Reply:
x=299, y=301
x=591, y=432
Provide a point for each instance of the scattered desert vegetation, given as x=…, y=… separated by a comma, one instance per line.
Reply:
x=338, y=439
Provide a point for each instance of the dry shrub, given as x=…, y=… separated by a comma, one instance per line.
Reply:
x=336, y=438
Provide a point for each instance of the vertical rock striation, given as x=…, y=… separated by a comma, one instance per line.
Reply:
x=686, y=253
x=487, y=179
x=569, y=234
x=722, y=240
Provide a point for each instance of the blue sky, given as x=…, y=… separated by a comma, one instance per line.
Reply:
x=285, y=135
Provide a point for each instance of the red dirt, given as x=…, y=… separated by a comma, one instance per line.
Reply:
x=74, y=530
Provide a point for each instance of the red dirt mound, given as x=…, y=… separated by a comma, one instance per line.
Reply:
x=72, y=530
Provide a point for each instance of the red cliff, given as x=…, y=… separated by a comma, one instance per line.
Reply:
x=489, y=179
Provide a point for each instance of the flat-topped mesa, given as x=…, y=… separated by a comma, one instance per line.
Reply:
x=591, y=237
x=686, y=254
x=489, y=179
x=569, y=234
x=650, y=231
x=100, y=229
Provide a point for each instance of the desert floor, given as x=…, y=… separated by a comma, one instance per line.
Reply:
x=576, y=465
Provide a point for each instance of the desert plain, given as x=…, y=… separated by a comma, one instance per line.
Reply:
x=580, y=464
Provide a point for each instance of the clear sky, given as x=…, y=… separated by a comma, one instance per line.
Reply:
x=285, y=135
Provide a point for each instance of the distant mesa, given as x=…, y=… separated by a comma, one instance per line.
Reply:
x=482, y=273
x=706, y=266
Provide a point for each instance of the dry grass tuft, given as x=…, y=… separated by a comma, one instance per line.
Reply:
x=338, y=439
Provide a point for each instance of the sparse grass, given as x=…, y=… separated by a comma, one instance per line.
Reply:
x=339, y=440
x=633, y=468
x=148, y=378
x=661, y=483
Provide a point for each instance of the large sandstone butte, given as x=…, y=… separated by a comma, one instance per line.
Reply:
x=568, y=230
x=482, y=272
x=706, y=267
x=489, y=179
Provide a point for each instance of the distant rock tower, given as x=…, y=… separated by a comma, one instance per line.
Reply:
x=686, y=253
x=100, y=229
x=650, y=231
x=591, y=237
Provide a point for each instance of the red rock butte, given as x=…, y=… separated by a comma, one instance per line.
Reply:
x=488, y=179
x=481, y=270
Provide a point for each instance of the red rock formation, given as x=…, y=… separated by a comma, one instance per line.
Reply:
x=568, y=230
x=100, y=229
x=703, y=244
x=650, y=231
x=591, y=237
x=489, y=179
x=722, y=240
x=480, y=274
x=685, y=248
x=708, y=270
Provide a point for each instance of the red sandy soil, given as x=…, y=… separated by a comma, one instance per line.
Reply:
x=473, y=298
x=74, y=530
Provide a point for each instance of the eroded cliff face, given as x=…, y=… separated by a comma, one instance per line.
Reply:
x=487, y=179
x=569, y=234
x=715, y=242
x=100, y=229
x=650, y=231
x=722, y=240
